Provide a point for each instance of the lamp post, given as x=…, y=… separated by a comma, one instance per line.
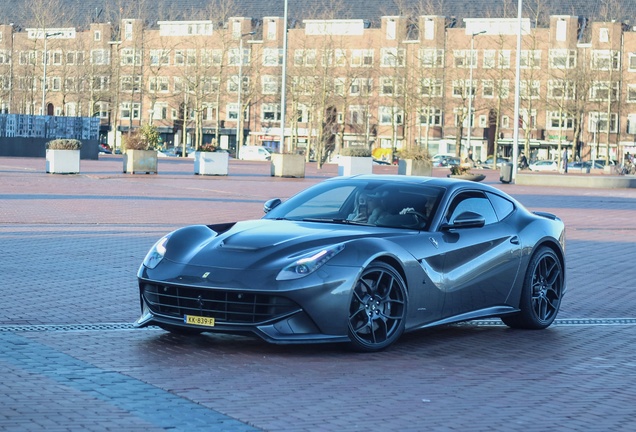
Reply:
x=239, y=119
x=283, y=90
x=471, y=93
x=515, y=133
x=45, y=60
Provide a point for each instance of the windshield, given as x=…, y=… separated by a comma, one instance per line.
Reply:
x=363, y=202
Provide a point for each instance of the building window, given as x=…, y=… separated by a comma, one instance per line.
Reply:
x=504, y=59
x=561, y=89
x=357, y=114
x=390, y=115
x=160, y=111
x=304, y=57
x=530, y=89
x=101, y=110
x=463, y=88
x=331, y=57
x=339, y=86
x=488, y=88
x=131, y=83
x=97, y=36
x=129, y=111
x=600, y=90
x=631, y=93
x=431, y=58
x=560, y=121
x=159, y=57
x=631, y=62
x=530, y=59
x=597, y=122
x=232, y=84
x=605, y=59
x=361, y=86
x=101, y=83
x=158, y=84
x=430, y=116
x=489, y=59
x=528, y=118
x=391, y=86
x=270, y=84
x=272, y=57
x=603, y=35
x=362, y=57
x=505, y=122
x=465, y=58
x=57, y=57
x=431, y=87
x=561, y=30
x=270, y=112
x=393, y=57
x=302, y=85
x=562, y=59
x=234, y=58
x=211, y=57
x=27, y=57
x=130, y=57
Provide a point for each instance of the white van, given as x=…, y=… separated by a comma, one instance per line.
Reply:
x=255, y=153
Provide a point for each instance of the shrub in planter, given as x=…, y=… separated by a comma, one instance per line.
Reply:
x=209, y=161
x=415, y=161
x=63, y=156
x=355, y=152
x=139, y=150
x=64, y=144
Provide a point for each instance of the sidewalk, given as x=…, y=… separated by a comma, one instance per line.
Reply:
x=70, y=360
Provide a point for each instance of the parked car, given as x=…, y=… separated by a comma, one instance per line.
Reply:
x=255, y=153
x=544, y=165
x=446, y=160
x=488, y=163
x=360, y=260
x=105, y=149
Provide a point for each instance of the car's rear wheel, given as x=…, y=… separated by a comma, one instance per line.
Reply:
x=378, y=308
x=541, y=294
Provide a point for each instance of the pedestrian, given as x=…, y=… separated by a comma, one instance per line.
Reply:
x=564, y=162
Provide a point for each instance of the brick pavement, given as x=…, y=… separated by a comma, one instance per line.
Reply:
x=71, y=246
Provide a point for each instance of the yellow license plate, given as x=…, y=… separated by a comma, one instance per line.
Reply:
x=198, y=320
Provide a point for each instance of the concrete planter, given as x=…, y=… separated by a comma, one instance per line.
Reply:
x=140, y=161
x=287, y=165
x=354, y=165
x=211, y=163
x=415, y=167
x=62, y=161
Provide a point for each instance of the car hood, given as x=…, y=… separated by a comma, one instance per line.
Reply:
x=254, y=244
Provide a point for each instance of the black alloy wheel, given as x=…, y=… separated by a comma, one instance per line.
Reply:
x=541, y=293
x=378, y=308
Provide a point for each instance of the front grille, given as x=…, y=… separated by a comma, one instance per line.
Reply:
x=224, y=306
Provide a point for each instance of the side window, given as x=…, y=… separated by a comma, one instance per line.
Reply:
x=475, y=202
x=503, y=207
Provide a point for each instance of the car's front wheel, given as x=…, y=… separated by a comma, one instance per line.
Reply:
x=541, y=294
x=378, y=308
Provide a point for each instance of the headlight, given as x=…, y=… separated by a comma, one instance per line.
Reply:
x=309, y=263
x=156, y=253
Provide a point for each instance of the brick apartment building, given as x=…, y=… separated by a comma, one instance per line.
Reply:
x=348, y=83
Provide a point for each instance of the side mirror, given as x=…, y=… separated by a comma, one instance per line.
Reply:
x=271, y=204
x=466, y=220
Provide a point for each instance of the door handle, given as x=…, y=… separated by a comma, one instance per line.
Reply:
x=514, y=240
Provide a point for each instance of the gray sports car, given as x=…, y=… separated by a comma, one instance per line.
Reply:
x=360, y=260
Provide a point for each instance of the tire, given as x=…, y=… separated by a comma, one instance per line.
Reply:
x=378, y=308
x=541, y=293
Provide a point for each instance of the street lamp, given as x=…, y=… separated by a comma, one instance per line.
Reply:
x=283, y=90
x=515, y=133
x=45, y=60
x=471, y=93
x=239, y=128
